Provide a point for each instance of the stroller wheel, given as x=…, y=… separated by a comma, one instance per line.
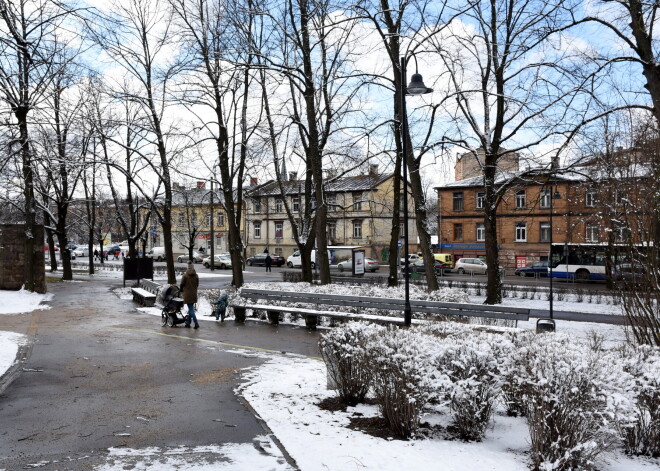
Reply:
x=163, y=318
x=170, y=321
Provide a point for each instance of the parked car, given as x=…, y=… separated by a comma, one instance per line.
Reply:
x=535, y=269
x=221, y=261
x=470, y=265
x=260, y=260
x=157, y=253
x=439, y=267
x=412, y=258
x=81, y=251
x=634, y=272
x=295, y=259
x=111, y=250
x=197, y=257
x=369, y=265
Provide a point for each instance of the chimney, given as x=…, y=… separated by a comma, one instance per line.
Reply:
x=293, y=176
x=254, y=180
x=201, y=184
x=373, y=169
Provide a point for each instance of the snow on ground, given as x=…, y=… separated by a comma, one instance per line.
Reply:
x=17, y=302
x=285, y=392
x=263, y=454
x=9, y=343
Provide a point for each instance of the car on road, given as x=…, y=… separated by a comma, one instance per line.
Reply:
x=197, y=257
x=535, y=269
x=157, y=253
x=221, y=261
x=55, y=249
x=470, y=265
x=111, y=251
x=633, y=272
x=412, y=258
x=259, y=260
x=369, y=265
x=81, y=251
x=439, y=267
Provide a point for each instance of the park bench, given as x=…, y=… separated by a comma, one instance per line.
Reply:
x=145, y=294
x=325, y=305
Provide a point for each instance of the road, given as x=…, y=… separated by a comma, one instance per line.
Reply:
x=100, y=374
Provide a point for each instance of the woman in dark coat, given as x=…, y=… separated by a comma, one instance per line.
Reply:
x=189, y=285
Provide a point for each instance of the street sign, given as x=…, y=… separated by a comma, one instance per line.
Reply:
x=400, y=243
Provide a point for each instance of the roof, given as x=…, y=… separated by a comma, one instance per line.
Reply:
x=574, y=174
x=296, y=187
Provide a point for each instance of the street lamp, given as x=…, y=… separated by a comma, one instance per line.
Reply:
x=212, y=263
x=415, y=87
x=548, y=325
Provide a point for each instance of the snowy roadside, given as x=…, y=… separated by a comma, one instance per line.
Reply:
x=285, y=393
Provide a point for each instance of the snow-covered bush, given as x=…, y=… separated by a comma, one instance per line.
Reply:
x=404, y=377
x=474, y=366
x=344, y=351
x=571, y=398
x=512, y=390
x=641, y=434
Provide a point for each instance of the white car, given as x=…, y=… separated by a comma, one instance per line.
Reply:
x=369, y=265
x=221, y=261
x=295, y=260
x=196, y=258
x=81, y=251
x=472, y=265
x=412, y=258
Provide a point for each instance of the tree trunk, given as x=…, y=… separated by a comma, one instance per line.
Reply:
x=494, y=284
x=28, y=195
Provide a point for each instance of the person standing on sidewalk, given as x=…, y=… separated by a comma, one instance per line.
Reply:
x=269, y=262
x=189, y=285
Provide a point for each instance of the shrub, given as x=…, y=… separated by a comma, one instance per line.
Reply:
x=473, y=365
x=641, y=435
x=569, y=394
x=404, y=377
x=344, y=353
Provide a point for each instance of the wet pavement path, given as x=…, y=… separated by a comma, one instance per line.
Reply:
x=99, y=374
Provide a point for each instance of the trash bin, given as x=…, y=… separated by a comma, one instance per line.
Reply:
x=545, y=325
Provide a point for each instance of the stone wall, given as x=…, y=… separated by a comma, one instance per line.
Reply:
x=12, y=257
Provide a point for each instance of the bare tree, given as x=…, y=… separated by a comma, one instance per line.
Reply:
x=509, y=80
x=29, y=57
x=137, y=36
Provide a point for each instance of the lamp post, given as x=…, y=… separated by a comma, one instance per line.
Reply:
x=212, y=263
x=548, y=325
x=415, y=87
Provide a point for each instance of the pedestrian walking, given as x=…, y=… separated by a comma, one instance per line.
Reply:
x=269, y=262
x=96, y=254
x=189, y=285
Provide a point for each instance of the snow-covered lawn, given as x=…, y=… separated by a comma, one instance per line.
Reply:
x=286, y=391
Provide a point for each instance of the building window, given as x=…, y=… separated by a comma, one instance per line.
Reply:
x=256, y=205
x=521, y=232
x=194, y=219
x=331, y=200
x=621, y=234
x=279, y=251
x=544, y=198
x=221, y=219
x=208, y=219
x=480, y=198
x=593, y=233
x=458, y=232
x=591, y=198
x=458, y=201
x=357, y=201
x=332, y=230
x=278, y=205
x=619, y=197
x=481, y=232
x=295, y=203
x=180, y=219
x=357, y=229
x=257, y=230
x=521, y=199
x=544, y=232
x=279, y=229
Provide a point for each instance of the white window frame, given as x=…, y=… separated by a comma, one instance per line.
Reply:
x=279, y=205
x=280, y=225
x=295, y=203
x=521, y=232
x=357, y=229
x=481, y=232
x=480, y=199
x=544, y=227
x=332, y=230
x=256, y=227
x=357, y=201
x=521, y=199
x=592, y=232
x=256, y=205
x=544, y=198
x=221, y=219
x=591, y=198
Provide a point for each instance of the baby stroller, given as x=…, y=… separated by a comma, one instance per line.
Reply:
x=171, y=314
x=220, y=306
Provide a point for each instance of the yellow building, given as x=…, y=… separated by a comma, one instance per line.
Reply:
x=359, y=214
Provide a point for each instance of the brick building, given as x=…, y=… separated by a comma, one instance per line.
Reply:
x=592, y=208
